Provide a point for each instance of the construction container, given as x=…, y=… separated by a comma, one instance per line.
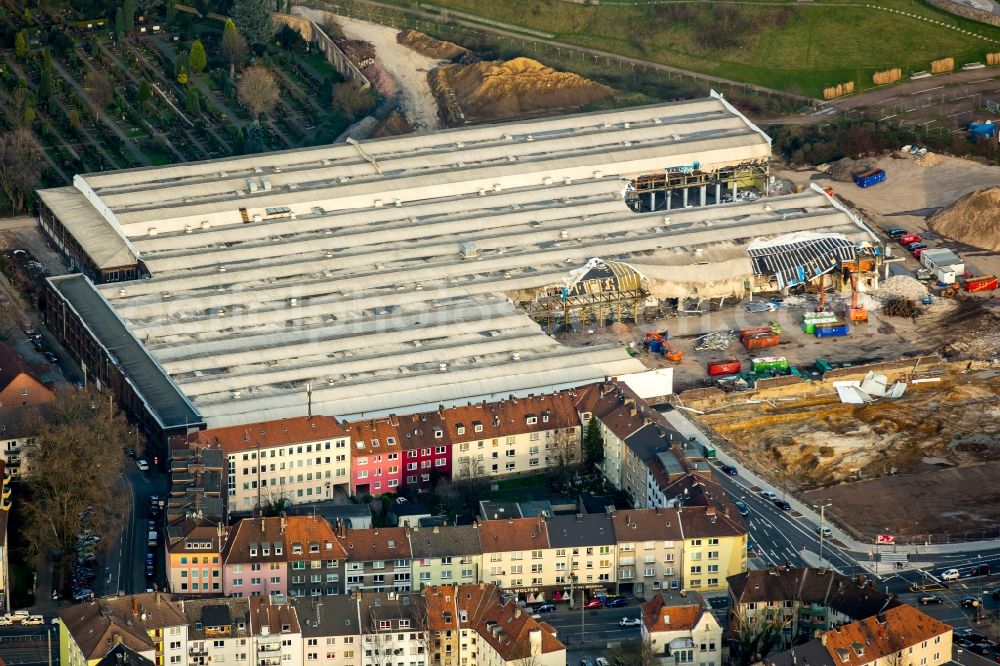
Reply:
x=823, y=366
x=655, y=346
x=981, y=283
x=755, y=330
x=809, y=324
x=730, y=367
x=762, y=341
x=708, y=451
x=769, y=364
x=837, y=329
x=869, y=178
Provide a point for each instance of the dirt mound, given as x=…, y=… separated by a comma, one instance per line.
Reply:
x=393, y=125
x=845, y=168
x=974, y=219
x=429, y=46
x=902, y=286
x=504, y=89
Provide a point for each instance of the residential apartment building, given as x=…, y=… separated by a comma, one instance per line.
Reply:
x=715, y=546
x=517, y=556
x=393, y=626
x=585, y=552
x=316, y=558
x=254, y=559
x=276, y=637
x=378, y=559
x=376, y=456
x=447, y=555
x=219, y=631
x=331, y=630
x=476, y=625
x=514, y=436
x=901, y=636
x=616, y=409
x=295, y=460
x=802, y=600
x=150, y=624
x=650, y=545
x=681, y=628
x=193, y=557
x=426, y=441
x=18, y=425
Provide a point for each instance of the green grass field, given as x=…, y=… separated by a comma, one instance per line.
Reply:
x=800, y=47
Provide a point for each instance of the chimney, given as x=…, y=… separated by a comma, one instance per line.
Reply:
x=135, y=605
x=535, y=641
x=822, y=639
x=282, y=522
x=517, y=613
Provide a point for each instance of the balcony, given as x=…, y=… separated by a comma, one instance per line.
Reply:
x=198, y=652
x=626, y=561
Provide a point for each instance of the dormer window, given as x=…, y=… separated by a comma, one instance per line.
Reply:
x=390, y=441
x=392, y=543
x=314, y=548
x=253, y=551
x=296, y=548
x=460, y=429
x=545, y=417
x=265, y=550
x=374, y=443
x=477, y=426
x=278, y=549
x=438, y=433
x=531, y=419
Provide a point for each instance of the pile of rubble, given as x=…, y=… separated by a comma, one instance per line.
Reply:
x=715, y=341
x=902, y=286
x=845, y=168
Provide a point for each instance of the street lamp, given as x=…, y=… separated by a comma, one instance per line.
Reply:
x=822, y=520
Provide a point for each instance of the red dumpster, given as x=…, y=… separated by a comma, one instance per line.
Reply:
x=730, y=367
x=761, y=341
x=980, y=283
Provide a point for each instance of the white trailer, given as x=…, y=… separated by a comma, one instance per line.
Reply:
x=945, y=264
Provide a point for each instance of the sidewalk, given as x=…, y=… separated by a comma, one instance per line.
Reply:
x=678, y=420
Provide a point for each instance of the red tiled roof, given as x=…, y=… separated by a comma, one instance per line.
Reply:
x=273, y=616
x=498, y=536
x=881, y=635
x=506, y=627
x=647, y=525
x=657, y=616
x=281, y=432
x=306, y=530
x=374, y=435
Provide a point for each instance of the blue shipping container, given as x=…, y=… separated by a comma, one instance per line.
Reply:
x=869, y=178
x=655, y=346
x=832, y=331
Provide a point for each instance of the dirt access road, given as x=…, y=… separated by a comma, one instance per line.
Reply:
x=407, y=67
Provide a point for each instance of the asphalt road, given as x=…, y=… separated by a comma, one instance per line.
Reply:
x=27, y=646
x=599, y=626
x=127, y=564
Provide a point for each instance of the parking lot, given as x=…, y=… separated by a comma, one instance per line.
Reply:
x=975, y=625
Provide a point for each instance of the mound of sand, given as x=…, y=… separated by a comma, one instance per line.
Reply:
x=974, y=219
x=845, y=168
x=429, y=46
x=503, y=89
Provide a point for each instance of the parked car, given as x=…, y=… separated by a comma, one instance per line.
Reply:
x=601, y=661
x=825, y=531
x=783, y=505
x=81, y=595
x=51, y=358
x=616, y=602
x=730, y=470
x=142, y=465
x=971, y=602
x=6, y=621
x=594, y=604
x=742, y=508
x=768, y=495
x=980, y=570
x=896, y=232
x=33, y=620
x=751, y=546
x=916, y=246
x=917, y=252
x=629, y=622
x=930, y=599
x=950, y=574
x=545, y=608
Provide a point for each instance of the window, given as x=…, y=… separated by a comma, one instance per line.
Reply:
x=384, y=625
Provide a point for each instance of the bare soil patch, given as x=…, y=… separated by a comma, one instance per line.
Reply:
x=494, y=90
x=429, y=46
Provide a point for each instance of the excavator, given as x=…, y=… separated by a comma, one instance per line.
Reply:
x=657, y=343
x=856, y=312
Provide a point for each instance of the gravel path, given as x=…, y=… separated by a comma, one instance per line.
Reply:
x=407, y=67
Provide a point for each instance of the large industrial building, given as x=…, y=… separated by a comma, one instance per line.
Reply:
x=402, y=273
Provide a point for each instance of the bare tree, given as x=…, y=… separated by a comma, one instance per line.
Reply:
x=258, y=91
x=74, y=473
x=99, y=90
x=564, y=456
x=234, y=46
x=637, y=652
x=21, y=163
x=350, y=99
